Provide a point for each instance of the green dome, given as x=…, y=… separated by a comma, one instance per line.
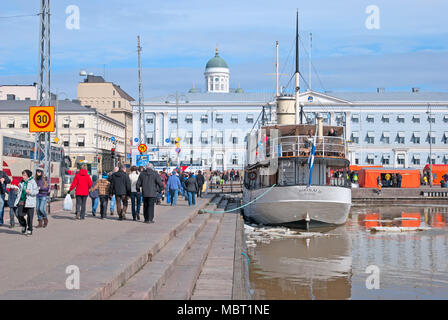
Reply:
x=216, y=62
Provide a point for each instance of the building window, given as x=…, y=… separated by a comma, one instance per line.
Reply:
x=356, y=161
x=24, y=124
x=204, y=118
x=400, y=119
x=235, y=161
x=150, y=140
x=189, y=119
x=386, y=140
x=81, y=142
x=385, y=161
x=416, y=118
x=113, y=92
x=119, y=104
x=416, y=161
x=66, y=125
x=219, y=140
x=250, y=118
x=81, y=124
x=355, y=140
x=66, y=143
x=400, y=139
x=400, y=161
x=432, y=119
x=173, y=119
x=370, y=161
x=431, y=139
x=370, y=119
x=11, y=123
x=370, y=139
x=219, y=119
x=385, y=118
x=150, y=120
x=416, y=140
x=113, y=104
x=235, y=140
x=189, y=140
x=355, y=118
x=234, y=118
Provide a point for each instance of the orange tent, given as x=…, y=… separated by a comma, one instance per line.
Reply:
x=355, y=167
x=438, y=170
x=410, y=178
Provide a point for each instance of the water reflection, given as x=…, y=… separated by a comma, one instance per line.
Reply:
x=413, y=265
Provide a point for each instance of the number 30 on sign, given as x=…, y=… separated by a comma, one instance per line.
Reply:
x=41, y=119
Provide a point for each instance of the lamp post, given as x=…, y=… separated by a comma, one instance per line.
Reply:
x=428, y=112
x=177, y=97
x=69, y=136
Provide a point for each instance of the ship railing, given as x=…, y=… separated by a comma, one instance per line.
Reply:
x=301, y=146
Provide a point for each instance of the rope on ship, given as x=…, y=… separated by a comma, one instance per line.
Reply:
x=240, y=207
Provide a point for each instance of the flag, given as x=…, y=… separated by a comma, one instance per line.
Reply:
x=311, y=162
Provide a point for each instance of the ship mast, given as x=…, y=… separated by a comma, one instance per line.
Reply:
x=297, y=91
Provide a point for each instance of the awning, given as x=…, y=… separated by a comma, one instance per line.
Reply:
x=445, y=117
x=370, y=156
x=204, y=117
x=370, y=116
x=446, y=156
x=355, y=116
x=371, y=134
x=431, y=117
x=219, y=156
x=416, y=156
x=189, y=117
x=416, y=134
x=250, y=116
x=355, y=134
x=234, y=117
x=10, y=121
x=189, y=134
x=400, y=134
x=401, y=116
x=235, y=156
x=219, y=117
x=446, y=134
x=400, y=156
x=234, y=134
x=24, y=121
x=432, y=134
x=386, y=156
x=81, y=138
x=385, y=116
x=173, y=117
x=219, y=134
x=433, y=156
x=386, y=134
x=416, y=116
x=150, y=135
x=204, y=134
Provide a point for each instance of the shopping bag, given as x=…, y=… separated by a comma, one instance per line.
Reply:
x=204, y=187
x=168, y=200
x=68, y=203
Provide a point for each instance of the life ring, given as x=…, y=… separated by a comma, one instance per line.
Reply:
x=252, y=175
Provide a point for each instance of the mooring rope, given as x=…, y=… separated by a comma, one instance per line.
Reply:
x=240, y=207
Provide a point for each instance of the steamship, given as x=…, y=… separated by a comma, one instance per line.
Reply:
x=296, y=173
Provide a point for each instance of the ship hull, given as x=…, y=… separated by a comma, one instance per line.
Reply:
x=294, y=204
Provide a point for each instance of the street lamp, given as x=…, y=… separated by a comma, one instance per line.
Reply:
x=428, y=112
x=69, y=136
x=57, y=108
x=177, y=97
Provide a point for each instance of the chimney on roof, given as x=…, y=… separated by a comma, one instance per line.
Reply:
x=380, y=90
x=415, y=89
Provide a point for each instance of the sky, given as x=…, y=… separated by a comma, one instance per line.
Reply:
x=408, y=46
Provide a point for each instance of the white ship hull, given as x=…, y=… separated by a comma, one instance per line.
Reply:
x=291, y=204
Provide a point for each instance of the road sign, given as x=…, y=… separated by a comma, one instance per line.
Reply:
x=142, y=160
x=178, y=150
x=41, y=119
x=177, y=139
x=178, y=145
x=136, y=140
x=142, y=148
x=155, y=149
x=56, y=140
x=167, y=140
x=112, y=139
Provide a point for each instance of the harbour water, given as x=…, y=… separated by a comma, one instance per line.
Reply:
x=332, y=263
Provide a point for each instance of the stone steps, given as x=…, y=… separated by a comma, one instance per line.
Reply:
x=180, y=285
x=147, y=281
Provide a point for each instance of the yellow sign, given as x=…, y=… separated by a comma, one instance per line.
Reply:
x=178, y=145
x=56, y=140
x=41, y=119
x=177, y=139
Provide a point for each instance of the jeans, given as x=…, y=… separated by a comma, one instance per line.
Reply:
x=2, y=207
x=112, y=204
x=21, y=213
x=103, y=206
x=148, y=208
x=191, y=198
x=173, y=197
x=135, y=203
x=95, y=202
x=81, y=202
x=12, y=214
x=40, y=207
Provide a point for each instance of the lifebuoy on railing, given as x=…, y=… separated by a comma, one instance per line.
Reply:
x=252, y=175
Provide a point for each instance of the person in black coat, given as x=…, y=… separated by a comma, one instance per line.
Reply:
x=192, y=188
x=120, y=186
x=201, y=180
x=4, y=180
x=150, y=184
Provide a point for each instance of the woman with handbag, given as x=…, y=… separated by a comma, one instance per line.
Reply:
x=26, y=201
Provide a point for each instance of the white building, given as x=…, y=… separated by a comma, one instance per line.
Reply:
x=18, y=92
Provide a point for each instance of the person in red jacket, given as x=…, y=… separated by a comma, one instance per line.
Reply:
x=82, y=183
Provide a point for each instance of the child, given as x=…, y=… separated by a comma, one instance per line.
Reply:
x=102, y=186
x=12, y=195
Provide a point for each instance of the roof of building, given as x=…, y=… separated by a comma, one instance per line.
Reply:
x=214, y=97
x=216, y=62
x=391, y=96
x=100, y=79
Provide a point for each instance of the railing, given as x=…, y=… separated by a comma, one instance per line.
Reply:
x=300, y=146
x=229, y=187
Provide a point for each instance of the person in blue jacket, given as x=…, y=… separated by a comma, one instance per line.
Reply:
x=173, y=186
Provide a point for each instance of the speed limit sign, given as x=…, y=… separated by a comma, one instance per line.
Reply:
x=41, y=119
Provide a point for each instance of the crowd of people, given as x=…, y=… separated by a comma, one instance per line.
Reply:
x=220, y=178
x=143, y=186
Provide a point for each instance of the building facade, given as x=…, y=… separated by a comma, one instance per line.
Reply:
x=18, y=92
x=110, y=100
x=77, y=130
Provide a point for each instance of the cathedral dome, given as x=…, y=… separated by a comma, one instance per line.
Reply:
x=216, y=62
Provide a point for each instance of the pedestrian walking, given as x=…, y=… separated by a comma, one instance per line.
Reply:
x=394, y=180
x=112, y=201
x=120, y=186
x=173, y=186
x=82, y=183
x=4, y=181
x=12, y=196
x=94, y=196
x=399, y=180
x=102, y=187
x=135, y=196
x=150, y=183
x=41, y=198
x=26, y=201
x=192, y=188
x=201, y=180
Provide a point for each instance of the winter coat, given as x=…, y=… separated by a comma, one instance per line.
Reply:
x=43, y=191
x=7, y=181
x=191, y=185
x=102, y=187
x=200, y=179
x=94, y=191
x=120, y=185
x=30, y=201
x=173, y=183
x=133, y=177
x=150, y=183
x=82, y=183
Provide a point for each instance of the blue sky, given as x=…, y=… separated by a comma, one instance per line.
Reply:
x=178, y=37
